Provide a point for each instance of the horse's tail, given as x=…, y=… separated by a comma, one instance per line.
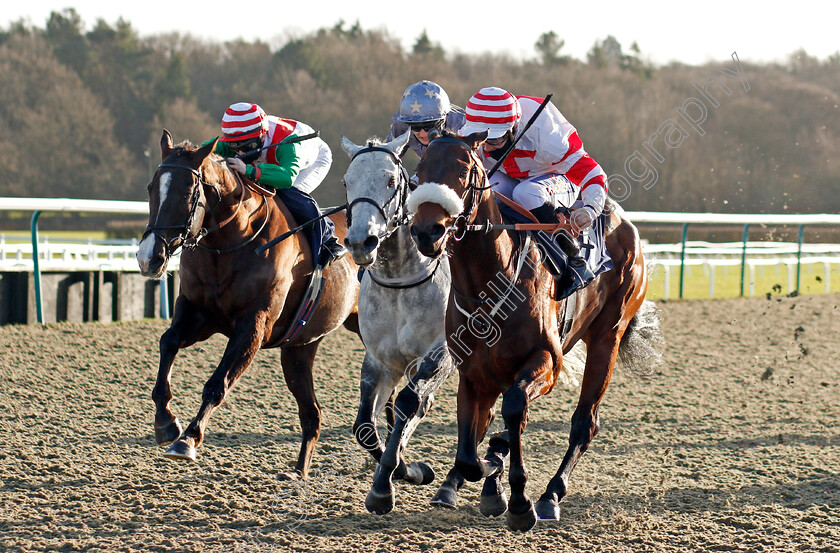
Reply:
x=641, y=346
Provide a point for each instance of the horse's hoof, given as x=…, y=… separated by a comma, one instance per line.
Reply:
x=165, y=435
x=290, y=476
x=378, y=503
x=493, y=505
x=521, y=522
x=445, y=497
x=180, y=450
x=425, y=472
x=548, y=509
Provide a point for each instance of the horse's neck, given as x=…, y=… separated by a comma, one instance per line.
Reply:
x=227, y=210
x=478, y=257
x=398, y=256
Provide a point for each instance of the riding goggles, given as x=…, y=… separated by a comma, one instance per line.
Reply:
x=245, y=145
x=497, y=141
x=427, y=126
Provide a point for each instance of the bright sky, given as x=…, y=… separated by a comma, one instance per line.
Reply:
x=693, y=33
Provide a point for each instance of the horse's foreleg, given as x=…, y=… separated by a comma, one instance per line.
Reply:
x=493, y=499
x=240, y=351
x=297, y=370
x=475, y=413
x=600, y=361
x=533, y=381
x=185, y=330
x=412, y=404
x=376, y=387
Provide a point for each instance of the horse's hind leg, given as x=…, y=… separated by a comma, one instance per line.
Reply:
x=240, y=351
x=600, y=360
x=493, y=501
x=297, y=364
x=187, y=328
x=376, y=388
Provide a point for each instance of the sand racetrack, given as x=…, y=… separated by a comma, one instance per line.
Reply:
x=732, y=445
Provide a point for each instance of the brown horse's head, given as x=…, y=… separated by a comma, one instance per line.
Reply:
x=448, y=173
x=176, y=204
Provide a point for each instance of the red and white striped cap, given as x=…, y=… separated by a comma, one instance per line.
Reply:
x=242, y=121
x=491, y=109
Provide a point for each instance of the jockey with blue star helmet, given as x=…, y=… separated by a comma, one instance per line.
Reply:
x=424, y=106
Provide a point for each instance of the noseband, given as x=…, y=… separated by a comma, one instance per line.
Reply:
x=186, y=241
x=400, y=193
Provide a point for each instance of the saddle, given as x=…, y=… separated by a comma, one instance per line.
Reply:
x=558, y=248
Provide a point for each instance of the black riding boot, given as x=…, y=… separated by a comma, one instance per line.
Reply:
x=331, y=251
x=577, y=273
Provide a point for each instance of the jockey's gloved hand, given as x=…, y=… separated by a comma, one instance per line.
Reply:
x=582, y=218
x=236, y=164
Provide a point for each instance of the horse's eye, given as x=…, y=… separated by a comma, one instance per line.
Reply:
x=391, y=182
x=464, y=172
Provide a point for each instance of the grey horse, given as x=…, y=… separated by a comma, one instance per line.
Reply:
x=402, y=303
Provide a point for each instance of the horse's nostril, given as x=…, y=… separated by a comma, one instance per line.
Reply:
x=370, y=243
x=156, y=263
x=436, y=231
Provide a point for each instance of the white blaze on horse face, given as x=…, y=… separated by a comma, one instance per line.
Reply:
x=146, y=248
x=164, y=182
x=145, y=251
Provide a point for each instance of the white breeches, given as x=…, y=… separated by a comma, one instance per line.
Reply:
x=533, y=192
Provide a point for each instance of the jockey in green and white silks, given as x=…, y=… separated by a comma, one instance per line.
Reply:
x=294, y=169
x=424, y=106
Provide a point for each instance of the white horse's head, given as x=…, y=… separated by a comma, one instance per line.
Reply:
x=377, y=185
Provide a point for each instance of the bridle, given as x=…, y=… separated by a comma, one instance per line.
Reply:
x=472, y=194
x=184, y=239
x=400, y=216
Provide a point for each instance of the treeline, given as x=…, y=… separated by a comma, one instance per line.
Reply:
x=82, y=109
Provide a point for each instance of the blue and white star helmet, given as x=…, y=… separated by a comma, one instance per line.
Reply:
x=422, y=102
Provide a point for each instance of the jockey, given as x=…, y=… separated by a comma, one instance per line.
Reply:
x=548, y=169
x=424, y=106
x=295, y=169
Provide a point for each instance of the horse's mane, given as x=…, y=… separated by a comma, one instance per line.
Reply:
x=374, y=141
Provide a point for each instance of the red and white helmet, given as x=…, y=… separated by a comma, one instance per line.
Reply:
x=242, y=121
x=491, y=109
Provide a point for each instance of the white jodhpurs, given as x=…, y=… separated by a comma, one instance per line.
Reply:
x=533, y=192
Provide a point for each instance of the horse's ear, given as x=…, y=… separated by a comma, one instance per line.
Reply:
x=165, y=144
x=348, y=146
x=476, y=139
x=202, y=153
x=400, y=144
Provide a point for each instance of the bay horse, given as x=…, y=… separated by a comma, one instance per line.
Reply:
x=503, y=324
x=402, y=304
x=198, y=204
